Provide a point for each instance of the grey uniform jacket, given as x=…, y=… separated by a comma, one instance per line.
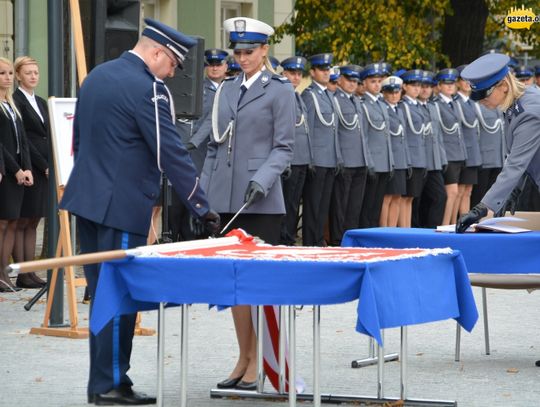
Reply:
x=352, y=142
x=398, y=137
x=375, y=126
x=416, y=139
x=523, y=141
x=471, y=133
x=435, y=154
x=259, y=147
x=492, y=142
x=454, y=145
x=302, y=154
x=325, y=145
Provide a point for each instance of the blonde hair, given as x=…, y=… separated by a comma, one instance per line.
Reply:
x=515, y=91
x=22, y=61
x=268, y=65
x=9, y=93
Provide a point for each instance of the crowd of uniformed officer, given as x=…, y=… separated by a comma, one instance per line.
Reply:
x=374, y=148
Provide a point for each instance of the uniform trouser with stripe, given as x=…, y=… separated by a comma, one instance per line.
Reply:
x=292, y=194
x=110, y=349
x=373, y=199
x=317, y=195
x=346, y=204
x=432, y=201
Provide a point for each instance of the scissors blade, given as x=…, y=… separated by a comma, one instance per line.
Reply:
x=233, y=218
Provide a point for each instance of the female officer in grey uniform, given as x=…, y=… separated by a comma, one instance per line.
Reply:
x=253, y=122
x=417, y=128
x=492, y=148
x=454, y=145
x=471, y=135
x=492, y=83
x=397, y=186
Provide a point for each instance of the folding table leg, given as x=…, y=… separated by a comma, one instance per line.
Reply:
x=486, y=324
x=260, y=341
x=184, y=355
x=292, y=356
x=282, y=350
x=316, y=355
x=160, y=353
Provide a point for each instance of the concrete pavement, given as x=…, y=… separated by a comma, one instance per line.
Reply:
x=52, y=372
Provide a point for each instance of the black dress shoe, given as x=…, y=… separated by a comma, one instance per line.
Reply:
x=249, y=386
x=229, y=383
x=122, y=397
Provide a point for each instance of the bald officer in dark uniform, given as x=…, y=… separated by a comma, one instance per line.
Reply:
x=124, y=135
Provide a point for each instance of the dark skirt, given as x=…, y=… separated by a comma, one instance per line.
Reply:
x=469, y=176
x=397, y=185
x=11, y=198
x=415, y=183
x=453, y=172
x=34, y=203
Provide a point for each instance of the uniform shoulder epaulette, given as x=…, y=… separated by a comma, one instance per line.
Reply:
x=280, y=78
x=229, y=78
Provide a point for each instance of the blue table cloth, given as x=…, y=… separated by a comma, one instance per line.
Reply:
x=390, y=293
x=501, y=253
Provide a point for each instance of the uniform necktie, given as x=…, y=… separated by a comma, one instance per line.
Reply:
x=451, y=105
x=242, y=93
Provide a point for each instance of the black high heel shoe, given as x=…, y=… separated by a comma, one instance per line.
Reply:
x=229, y=383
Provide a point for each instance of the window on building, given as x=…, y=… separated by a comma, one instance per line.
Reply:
x=230, y=9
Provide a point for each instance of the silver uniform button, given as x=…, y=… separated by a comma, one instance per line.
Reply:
x=198, y=206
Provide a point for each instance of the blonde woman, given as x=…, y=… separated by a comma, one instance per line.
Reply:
x=17, y=169
x=253, y=123
x=495, y=86
x=35, y=118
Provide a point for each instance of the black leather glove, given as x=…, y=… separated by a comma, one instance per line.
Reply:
x=474, y=215
x=311, y=170
x=444, y=168
x=208, y=223
x=254, y=193
x=409, y=172
x=511, y=203
x=339, y=169
x=286, y=174
x=190, y=147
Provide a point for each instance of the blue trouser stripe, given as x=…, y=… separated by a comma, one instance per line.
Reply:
x=116, y=329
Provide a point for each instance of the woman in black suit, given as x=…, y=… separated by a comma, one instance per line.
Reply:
x=35, y=120
x=18, y=170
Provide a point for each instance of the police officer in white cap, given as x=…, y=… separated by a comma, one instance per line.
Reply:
x=253, y=123
x=492, y=83
x=124, y=137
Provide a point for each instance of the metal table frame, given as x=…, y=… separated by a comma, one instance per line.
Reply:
x=292, y=396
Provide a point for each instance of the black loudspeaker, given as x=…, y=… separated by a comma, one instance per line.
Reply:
x=187, y=84
x=113, y=28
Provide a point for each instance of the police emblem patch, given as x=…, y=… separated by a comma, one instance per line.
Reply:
x=240, y=27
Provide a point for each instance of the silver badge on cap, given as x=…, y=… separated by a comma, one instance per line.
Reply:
x=240, y=27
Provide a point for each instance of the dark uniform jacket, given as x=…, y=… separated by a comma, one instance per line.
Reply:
x=116, y=179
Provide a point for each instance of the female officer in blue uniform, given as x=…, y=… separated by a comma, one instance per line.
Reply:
x=492, y=83
x=253, y=122
x=115, y=180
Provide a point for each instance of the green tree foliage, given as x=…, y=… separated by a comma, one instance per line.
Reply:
x=402, y=32
x=405, y=33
